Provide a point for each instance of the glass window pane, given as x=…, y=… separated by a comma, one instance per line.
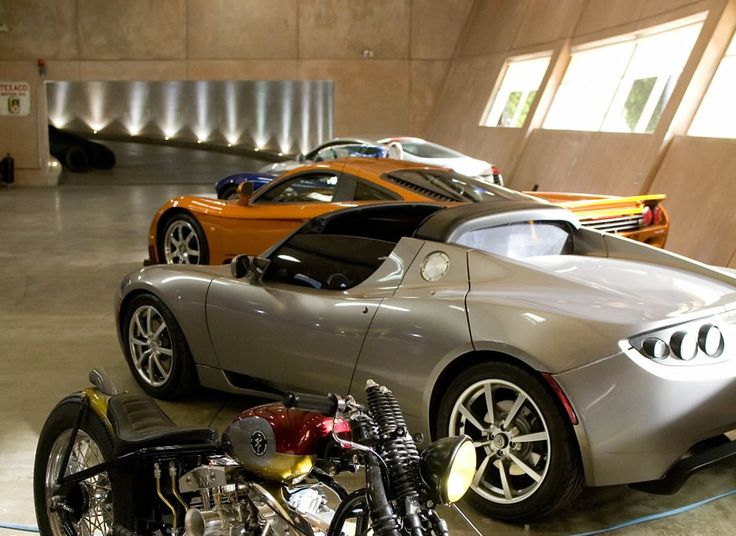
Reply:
x=521, y=79
x=641, y=89
x=622, y=87
x=309, y=189
x=524, y=109
x=588, y=86
x=717, y=113
x=510, y=109
x=520, y=240
x=366, y=192
x=329, y=262
x=656, y=61
x=663, y=98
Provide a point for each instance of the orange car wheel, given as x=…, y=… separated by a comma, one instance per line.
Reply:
x=183, y=241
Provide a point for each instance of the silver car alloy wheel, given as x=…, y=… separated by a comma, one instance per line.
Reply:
x=511, y=438
x=181, y=243
x=150, y=345
x=97, y=519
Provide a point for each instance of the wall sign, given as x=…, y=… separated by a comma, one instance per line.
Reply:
x=15, y=98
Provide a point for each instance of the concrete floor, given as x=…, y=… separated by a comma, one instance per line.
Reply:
x=63, y=251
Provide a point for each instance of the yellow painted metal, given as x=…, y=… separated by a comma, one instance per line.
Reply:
x=98, y=403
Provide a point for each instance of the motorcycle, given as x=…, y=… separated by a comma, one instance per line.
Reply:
x=114, y=463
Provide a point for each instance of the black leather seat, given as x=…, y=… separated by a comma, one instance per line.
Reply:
x=139, y=422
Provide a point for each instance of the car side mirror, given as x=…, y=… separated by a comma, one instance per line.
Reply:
x=301, y=158
x=251, y=267
x=245, y=191
x=240, y=266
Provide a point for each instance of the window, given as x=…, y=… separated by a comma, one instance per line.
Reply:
x=510, y=105
x=313, y=188
x=366, y=192
x=717, y=113
x=327, y=261
x=347, y=151
x=624, y=86
x=521, y=240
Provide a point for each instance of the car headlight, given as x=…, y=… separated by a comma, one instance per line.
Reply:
x=448, y=467
x=685, y=342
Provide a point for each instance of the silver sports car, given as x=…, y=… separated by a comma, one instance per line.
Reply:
x=571, y=357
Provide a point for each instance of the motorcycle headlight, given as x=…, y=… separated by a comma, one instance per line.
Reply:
x=448, y=466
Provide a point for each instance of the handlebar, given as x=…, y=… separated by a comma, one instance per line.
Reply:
x=326, y=404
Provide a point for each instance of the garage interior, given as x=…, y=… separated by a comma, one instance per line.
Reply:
x=421, y=67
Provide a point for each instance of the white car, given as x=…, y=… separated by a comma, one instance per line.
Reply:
x=433, y=154
x=399, y=148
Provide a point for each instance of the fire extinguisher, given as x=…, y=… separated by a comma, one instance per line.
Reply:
x=7, y=169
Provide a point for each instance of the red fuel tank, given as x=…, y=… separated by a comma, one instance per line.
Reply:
x=280, y=444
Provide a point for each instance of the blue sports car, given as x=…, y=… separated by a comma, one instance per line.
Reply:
x=227, y=188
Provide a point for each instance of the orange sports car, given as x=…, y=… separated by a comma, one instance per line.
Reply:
x=200, y=230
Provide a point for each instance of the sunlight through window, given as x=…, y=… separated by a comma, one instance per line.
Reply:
x=510, y=105
x=717, y=113
x=623, y=86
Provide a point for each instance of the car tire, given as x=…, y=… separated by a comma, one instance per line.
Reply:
x=93, y=445
x=515, y=480
x=183, y=241
x=229, y=192
x=156, y=350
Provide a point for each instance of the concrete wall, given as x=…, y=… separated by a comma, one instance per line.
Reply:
x=699, y=175
x=392, y=92
x=665, y=161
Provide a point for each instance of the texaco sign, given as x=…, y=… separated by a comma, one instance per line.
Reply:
x=15, y=98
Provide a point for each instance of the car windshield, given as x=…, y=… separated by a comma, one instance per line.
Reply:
x=443, y=185
x=427, y=149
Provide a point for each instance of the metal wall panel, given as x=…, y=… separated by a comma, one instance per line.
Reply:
x=283, y=116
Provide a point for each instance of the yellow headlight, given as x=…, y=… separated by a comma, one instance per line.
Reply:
x=448, y=467
x=461, y=472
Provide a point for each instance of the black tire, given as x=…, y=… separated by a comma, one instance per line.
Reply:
x=229, y=192
x=554, y=460
x=167, y=370
x=99, y=156
x=75, y=159
x=51, y=444
x=181, y=237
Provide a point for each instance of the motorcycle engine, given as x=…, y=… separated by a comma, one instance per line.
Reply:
x=229, y=507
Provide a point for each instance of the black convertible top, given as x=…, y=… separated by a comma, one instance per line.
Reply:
x=429, y=221
x=448, y=224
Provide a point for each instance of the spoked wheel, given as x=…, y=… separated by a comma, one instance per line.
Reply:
x=184, y=242
x=87, y=509
x=528, y=463
x=156, y=350
x=150, y=345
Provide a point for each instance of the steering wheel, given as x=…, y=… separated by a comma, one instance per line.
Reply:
x=337, y=281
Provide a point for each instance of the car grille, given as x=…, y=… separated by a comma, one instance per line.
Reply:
x=614, y=225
